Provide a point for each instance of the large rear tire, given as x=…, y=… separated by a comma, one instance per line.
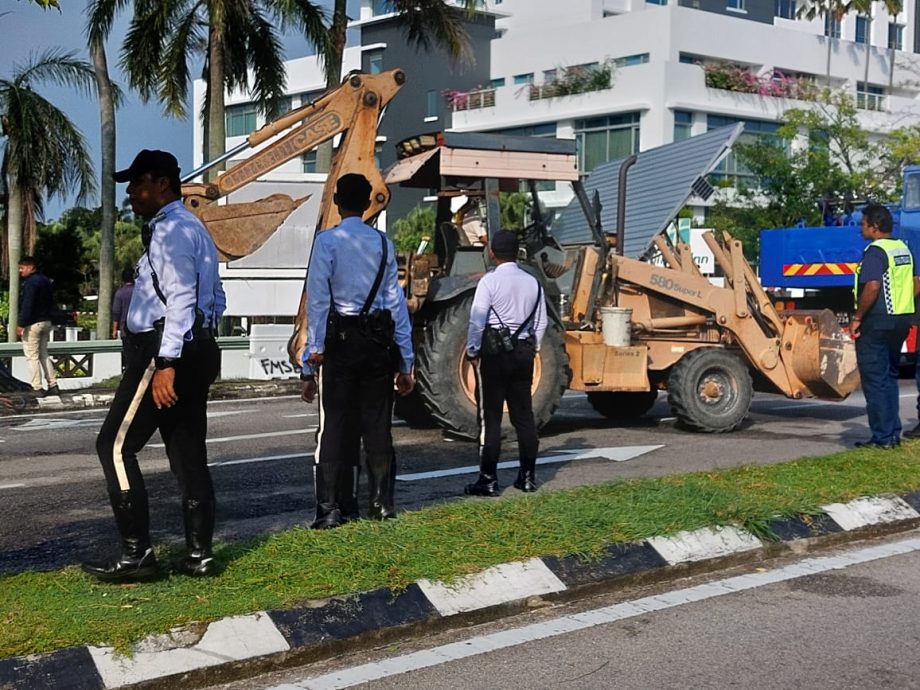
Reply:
x=621, y=404
x=710, y=390
x=446, y=382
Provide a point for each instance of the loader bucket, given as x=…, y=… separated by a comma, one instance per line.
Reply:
x=239, y=229
x=823, y=356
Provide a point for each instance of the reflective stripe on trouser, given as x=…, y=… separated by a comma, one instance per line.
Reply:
x=35, y=348
x=506, y=377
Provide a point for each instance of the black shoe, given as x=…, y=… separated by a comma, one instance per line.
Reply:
x=526, y=481
x=381, y=512
x=126, y=568
x=486, y=485
x=887, y=445
x=53, y=390
x=913, y=433
x=200, y=566
x=329, y=520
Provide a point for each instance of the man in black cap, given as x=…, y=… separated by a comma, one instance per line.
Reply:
x=171, y=359
x=507, y=322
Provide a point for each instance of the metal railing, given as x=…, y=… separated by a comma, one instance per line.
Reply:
x=473, y=100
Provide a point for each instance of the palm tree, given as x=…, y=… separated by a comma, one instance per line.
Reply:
x=427, y=23
x=44, y=153
x=234, y=37
x=833, y=12
x=100, y=15
x=864, y=7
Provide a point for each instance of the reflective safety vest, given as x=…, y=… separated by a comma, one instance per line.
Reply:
x=898, y=281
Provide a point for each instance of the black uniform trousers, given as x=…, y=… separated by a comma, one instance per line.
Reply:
x=133, y=417
x=355, y=394
x=506, y=377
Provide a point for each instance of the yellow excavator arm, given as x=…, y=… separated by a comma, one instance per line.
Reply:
x=352, y=109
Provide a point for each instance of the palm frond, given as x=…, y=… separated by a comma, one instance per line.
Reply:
x=267, y=57
x=144, y=44
x=186, y=38
x=59, y=68
x=429, y=23
x=100, y=15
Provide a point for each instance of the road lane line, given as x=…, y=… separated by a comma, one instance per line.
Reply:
x=246, y=437
x=505, y=639
x=620, y=454
x=265, y=458
x=11, y=486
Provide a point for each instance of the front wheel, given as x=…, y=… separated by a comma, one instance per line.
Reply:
x=446, y=382
x=710, y=390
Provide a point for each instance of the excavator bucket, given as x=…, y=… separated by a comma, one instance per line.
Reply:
x=240, y=229
x=823, y=356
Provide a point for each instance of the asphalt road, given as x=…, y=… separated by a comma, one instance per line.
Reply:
x=54, y=510
x=844, y=619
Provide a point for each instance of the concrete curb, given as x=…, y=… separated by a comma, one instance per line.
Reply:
x=268, y=640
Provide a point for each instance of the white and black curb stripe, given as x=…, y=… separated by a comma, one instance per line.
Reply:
x=336, y=621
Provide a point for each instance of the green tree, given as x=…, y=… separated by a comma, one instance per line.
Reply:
x=239, y=41
x=45, y=4
x=44, y=154
x=409, y=231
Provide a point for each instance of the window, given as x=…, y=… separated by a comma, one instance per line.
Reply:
x=912, y=191
x=683, y=124
x=380, y=7
x=378, y=155
x=549, y=76
x=523, y=78
x=730, y=168
x=602, y=139
x=631, y=60
x=831, y=26
x=862, y=29
x=657, y=2
x=735, y=5
x=690, y=59
x=374, y=61
x=309, y=161
x=497, y=83
x=546, y=129
x=869, y=97
x=432, y=101
x=785, y=9
x=240, y=119
x=895, y=36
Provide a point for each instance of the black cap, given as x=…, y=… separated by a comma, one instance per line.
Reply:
x=504, y=244
x=160, y=162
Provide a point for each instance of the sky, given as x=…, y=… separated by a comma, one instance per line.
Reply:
x=27, y=30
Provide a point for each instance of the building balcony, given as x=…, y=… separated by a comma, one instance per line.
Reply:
x=459, y=101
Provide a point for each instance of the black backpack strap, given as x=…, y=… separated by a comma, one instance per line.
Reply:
x=533, y=312
x=376, y=286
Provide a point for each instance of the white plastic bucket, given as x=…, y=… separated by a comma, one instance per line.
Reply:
x=615, y=326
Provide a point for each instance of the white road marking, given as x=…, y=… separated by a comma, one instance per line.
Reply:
x=265, y=458
x=53, y=423
x=11, y=486
x=303, y=414
x=394, y=666
x=620, y=454
x=245, y=437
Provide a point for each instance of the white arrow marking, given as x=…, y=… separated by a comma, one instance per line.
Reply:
x=620, y=454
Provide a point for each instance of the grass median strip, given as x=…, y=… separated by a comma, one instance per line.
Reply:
x=45, y=611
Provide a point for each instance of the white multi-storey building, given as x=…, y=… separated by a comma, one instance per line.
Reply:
x=539, y=66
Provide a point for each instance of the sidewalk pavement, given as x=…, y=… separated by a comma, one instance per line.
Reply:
x=86, y=398
x=245, y=646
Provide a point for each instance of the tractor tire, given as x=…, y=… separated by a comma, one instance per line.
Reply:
x=622, y=405
x=446, y=382
x=411, y=409
x=710, y=390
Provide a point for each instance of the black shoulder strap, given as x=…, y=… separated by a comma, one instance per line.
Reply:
x=533, y=312
x=376, y=286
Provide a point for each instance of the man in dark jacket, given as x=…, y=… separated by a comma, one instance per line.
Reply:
x=36, y=303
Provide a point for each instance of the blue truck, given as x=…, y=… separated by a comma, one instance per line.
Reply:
x=813, y=267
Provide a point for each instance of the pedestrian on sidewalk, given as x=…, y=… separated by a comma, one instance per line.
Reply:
x=884, y=293
x=358, y=337
x=121, y=301
x=507, y=323
x=171, y=360
x=36, y=304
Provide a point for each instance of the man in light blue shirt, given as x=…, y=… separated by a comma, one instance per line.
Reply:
x=358, y=336
x=171, y=359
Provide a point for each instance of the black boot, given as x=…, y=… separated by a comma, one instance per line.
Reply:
x=526, y=481
x=381, y=479
x=328, y=513
x=199, y=533
x=485, y=485
x=137, y=562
